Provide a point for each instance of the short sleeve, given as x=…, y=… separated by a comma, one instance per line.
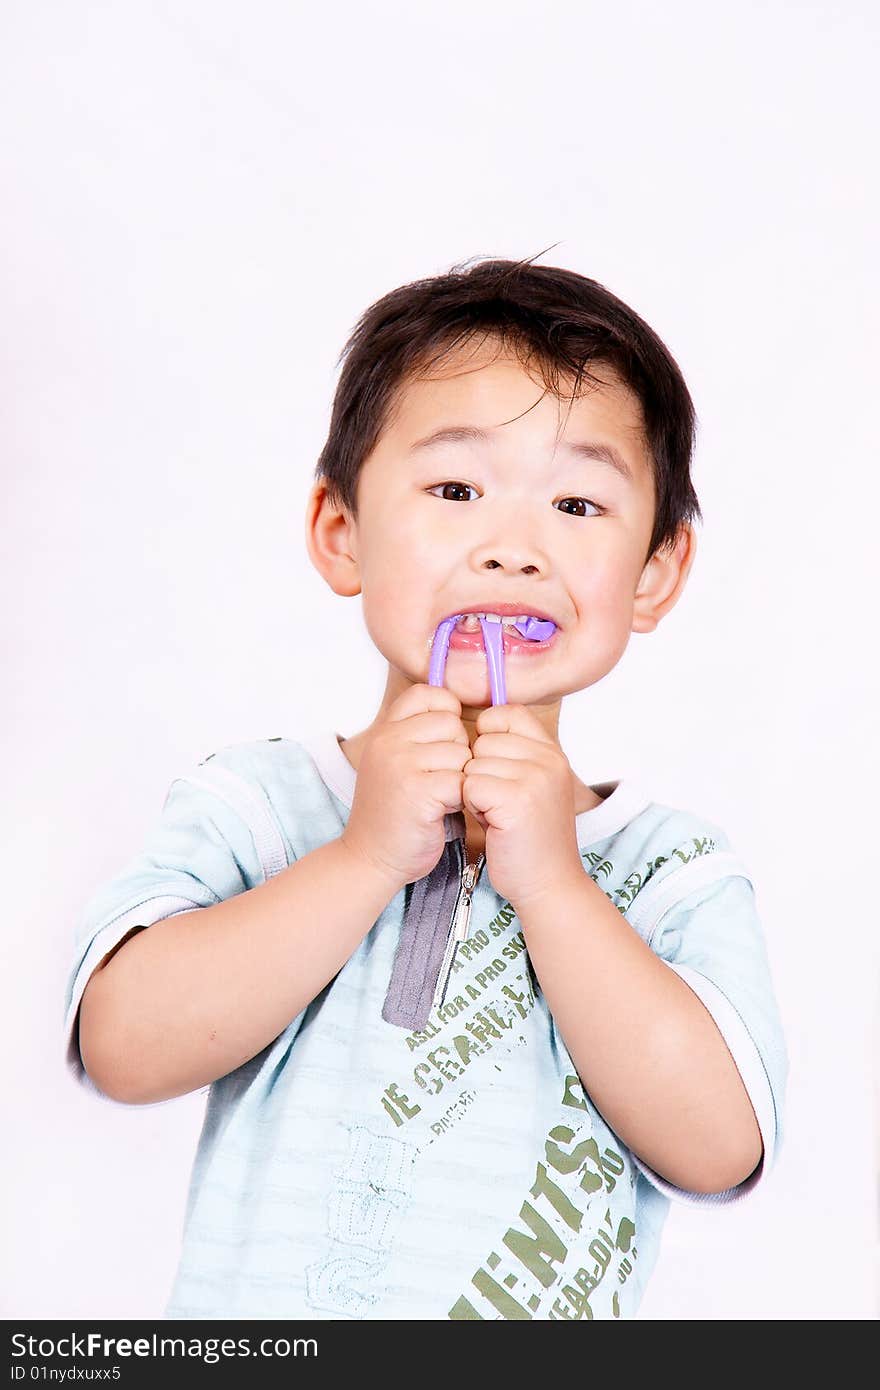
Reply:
x=216, y=836
x=704, y=923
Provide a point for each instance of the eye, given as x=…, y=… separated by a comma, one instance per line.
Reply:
x=466, y=487
x=599, y=510
x=444, y=486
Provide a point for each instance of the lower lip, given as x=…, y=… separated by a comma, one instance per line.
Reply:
x=514, y=645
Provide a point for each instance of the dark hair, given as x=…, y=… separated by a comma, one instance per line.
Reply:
x=546, y=315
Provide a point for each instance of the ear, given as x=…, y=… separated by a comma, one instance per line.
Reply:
x=331, y=540
x=663, y=580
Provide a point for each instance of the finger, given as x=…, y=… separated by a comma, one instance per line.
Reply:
x=445, y=791
x=430, y=727
x=419, y=699
x=443, y=755
x=514, y=719
x=505, y=769
x=504, y=746
x=483, y=794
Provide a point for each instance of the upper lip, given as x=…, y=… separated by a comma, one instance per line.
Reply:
x=509, y=610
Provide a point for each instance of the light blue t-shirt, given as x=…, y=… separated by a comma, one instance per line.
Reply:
x=358, y=1169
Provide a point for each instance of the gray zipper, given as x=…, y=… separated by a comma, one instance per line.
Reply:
x=435, y=919
x=461, y=917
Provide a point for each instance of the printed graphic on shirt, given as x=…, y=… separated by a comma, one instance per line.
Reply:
x=559, y=1250
x=493, y=1024
x=499, y=979
x=635, y=881
x=367, y=1206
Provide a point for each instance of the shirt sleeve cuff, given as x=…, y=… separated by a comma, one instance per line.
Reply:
x=142, y=915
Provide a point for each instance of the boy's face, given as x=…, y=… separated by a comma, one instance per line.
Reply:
x=527, y=522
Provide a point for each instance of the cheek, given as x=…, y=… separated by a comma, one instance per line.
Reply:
x=401, y=586
x=605, y=587
x=604, y=600
x=396, y=534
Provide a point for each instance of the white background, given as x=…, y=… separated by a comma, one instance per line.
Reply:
x=201, y=198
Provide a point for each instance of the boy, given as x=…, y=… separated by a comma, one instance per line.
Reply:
x=609, y=1038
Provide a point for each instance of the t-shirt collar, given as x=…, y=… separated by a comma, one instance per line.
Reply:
x=622, y=802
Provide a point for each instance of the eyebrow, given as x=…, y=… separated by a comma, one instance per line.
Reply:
x=457, y=434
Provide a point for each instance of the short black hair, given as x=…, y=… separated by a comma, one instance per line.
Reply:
x=547, y=316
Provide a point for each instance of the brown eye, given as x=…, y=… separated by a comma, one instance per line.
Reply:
x=465, y=486
x=578, y=500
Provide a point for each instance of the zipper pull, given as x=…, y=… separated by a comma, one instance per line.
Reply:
x=458, y=931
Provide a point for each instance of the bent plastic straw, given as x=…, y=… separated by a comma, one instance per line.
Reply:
x=533, y=629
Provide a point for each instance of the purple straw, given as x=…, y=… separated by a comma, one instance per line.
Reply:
x=493, y=641
x=533, y=629
x=440, y=648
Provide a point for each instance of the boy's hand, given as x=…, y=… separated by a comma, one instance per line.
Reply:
x=519, y=785
x=408, y=779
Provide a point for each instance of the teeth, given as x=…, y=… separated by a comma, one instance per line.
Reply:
x=471, y=621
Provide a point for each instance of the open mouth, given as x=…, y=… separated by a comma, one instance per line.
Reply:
x=494, y=636
x=520, y=634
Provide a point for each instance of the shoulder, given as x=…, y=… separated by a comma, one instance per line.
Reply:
x=665, y=854
x=276, y=788
x=247, y=771
x=257, y=758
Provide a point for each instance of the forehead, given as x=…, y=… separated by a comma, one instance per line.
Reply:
x=492, y=390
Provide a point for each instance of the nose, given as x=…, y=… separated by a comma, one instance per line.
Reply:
x=509, y=537
x=511, y=548
x=516, y=559
x=499, y=564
